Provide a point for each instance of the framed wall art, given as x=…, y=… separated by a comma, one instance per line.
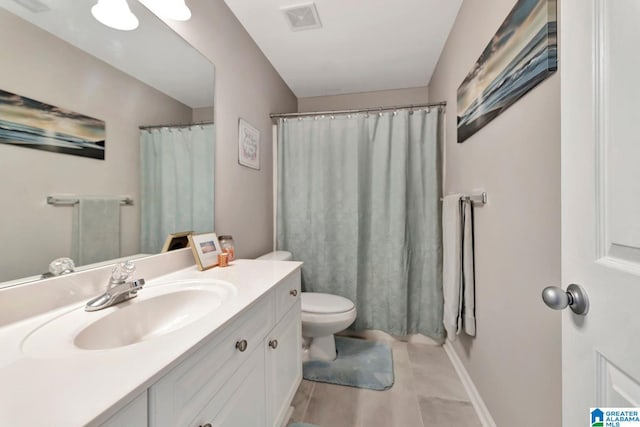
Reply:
x=248, y=145
x=25, y=122
x=522, y=54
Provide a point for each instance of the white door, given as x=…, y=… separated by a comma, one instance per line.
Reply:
x=600, y=72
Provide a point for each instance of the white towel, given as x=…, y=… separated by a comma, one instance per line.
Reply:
x=451, y=264
x=468, y=271
x=458, y=271
x=96, y=230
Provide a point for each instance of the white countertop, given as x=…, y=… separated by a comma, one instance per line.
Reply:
x=88, y=386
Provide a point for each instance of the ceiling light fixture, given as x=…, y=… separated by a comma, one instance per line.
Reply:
x=175, y=10
x=115, y=14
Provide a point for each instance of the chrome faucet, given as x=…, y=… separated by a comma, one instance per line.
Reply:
x=119, y=289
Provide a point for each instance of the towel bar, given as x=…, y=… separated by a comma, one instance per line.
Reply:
x=476, y=198
x=58, y=201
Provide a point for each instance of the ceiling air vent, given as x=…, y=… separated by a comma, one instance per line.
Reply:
x=302, y=16
x=34, y=6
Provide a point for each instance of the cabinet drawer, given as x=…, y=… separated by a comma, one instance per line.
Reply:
x=287, y=293
x=184, y=392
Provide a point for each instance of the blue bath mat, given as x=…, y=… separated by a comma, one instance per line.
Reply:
x=360, y=363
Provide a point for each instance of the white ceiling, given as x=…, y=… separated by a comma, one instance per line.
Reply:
x=152, y=53
x=363, y=45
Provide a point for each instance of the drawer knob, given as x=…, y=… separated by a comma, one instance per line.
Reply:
x=206, y=425
x=273, y=344
x=242, y=346
x=293, y=292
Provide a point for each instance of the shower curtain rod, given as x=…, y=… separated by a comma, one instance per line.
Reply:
x=363, y=110
x=175, y=125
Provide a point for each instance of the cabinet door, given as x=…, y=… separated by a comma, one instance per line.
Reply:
x=284, y=364
x=181, y=394
x=241, y=402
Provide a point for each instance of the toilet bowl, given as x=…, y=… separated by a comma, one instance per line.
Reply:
x=323, y=315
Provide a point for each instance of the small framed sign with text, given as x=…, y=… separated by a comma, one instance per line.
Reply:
x=248, y=145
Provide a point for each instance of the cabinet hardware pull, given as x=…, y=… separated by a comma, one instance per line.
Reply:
x=273, y=344
x=242, y=346
x=293, y=292
x=206, y=425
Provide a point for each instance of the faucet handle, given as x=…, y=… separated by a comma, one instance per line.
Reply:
x=136, y=285
x=61, y=266
x=122, y=270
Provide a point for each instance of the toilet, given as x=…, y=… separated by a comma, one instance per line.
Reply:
x=323, y=315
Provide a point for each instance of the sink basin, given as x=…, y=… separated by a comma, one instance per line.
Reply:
x=158, y=310
x=147, y=319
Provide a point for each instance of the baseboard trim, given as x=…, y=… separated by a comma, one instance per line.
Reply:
x=476, y=400
x=287, y=417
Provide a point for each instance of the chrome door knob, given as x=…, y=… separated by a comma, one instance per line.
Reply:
x=574, y=297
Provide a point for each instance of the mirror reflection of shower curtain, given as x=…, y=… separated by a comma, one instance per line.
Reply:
x=176, y=182
x=359, y=203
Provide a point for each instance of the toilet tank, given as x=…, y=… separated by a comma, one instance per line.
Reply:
x=277, y=256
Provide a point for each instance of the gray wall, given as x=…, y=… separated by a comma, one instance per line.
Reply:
x=515, y=360
x=381, y=98
x=247, y=87
x=203, y=114
x=37, y=65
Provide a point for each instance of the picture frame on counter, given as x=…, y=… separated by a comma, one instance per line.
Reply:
x=205, y=248
x=175, y=241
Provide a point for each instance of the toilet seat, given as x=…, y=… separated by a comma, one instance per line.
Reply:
x=325, y=319
x=326, y=324
x=320, y=303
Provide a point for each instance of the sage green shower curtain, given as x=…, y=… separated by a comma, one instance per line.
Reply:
x=176, y=183
x=359, y=203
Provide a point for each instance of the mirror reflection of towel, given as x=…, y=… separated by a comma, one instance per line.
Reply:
x=96, y=230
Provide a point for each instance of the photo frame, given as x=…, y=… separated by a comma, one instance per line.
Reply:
x=248, y=145
x=176, y=241
x=205, y=248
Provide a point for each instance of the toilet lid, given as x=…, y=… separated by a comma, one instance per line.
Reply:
x=314, y=302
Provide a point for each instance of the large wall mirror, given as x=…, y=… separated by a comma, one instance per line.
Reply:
x=148, y=83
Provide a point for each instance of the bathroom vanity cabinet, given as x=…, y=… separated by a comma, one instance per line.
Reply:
x=215, y=348
x=246, y=374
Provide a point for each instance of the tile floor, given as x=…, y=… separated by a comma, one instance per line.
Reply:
x=426, y=392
